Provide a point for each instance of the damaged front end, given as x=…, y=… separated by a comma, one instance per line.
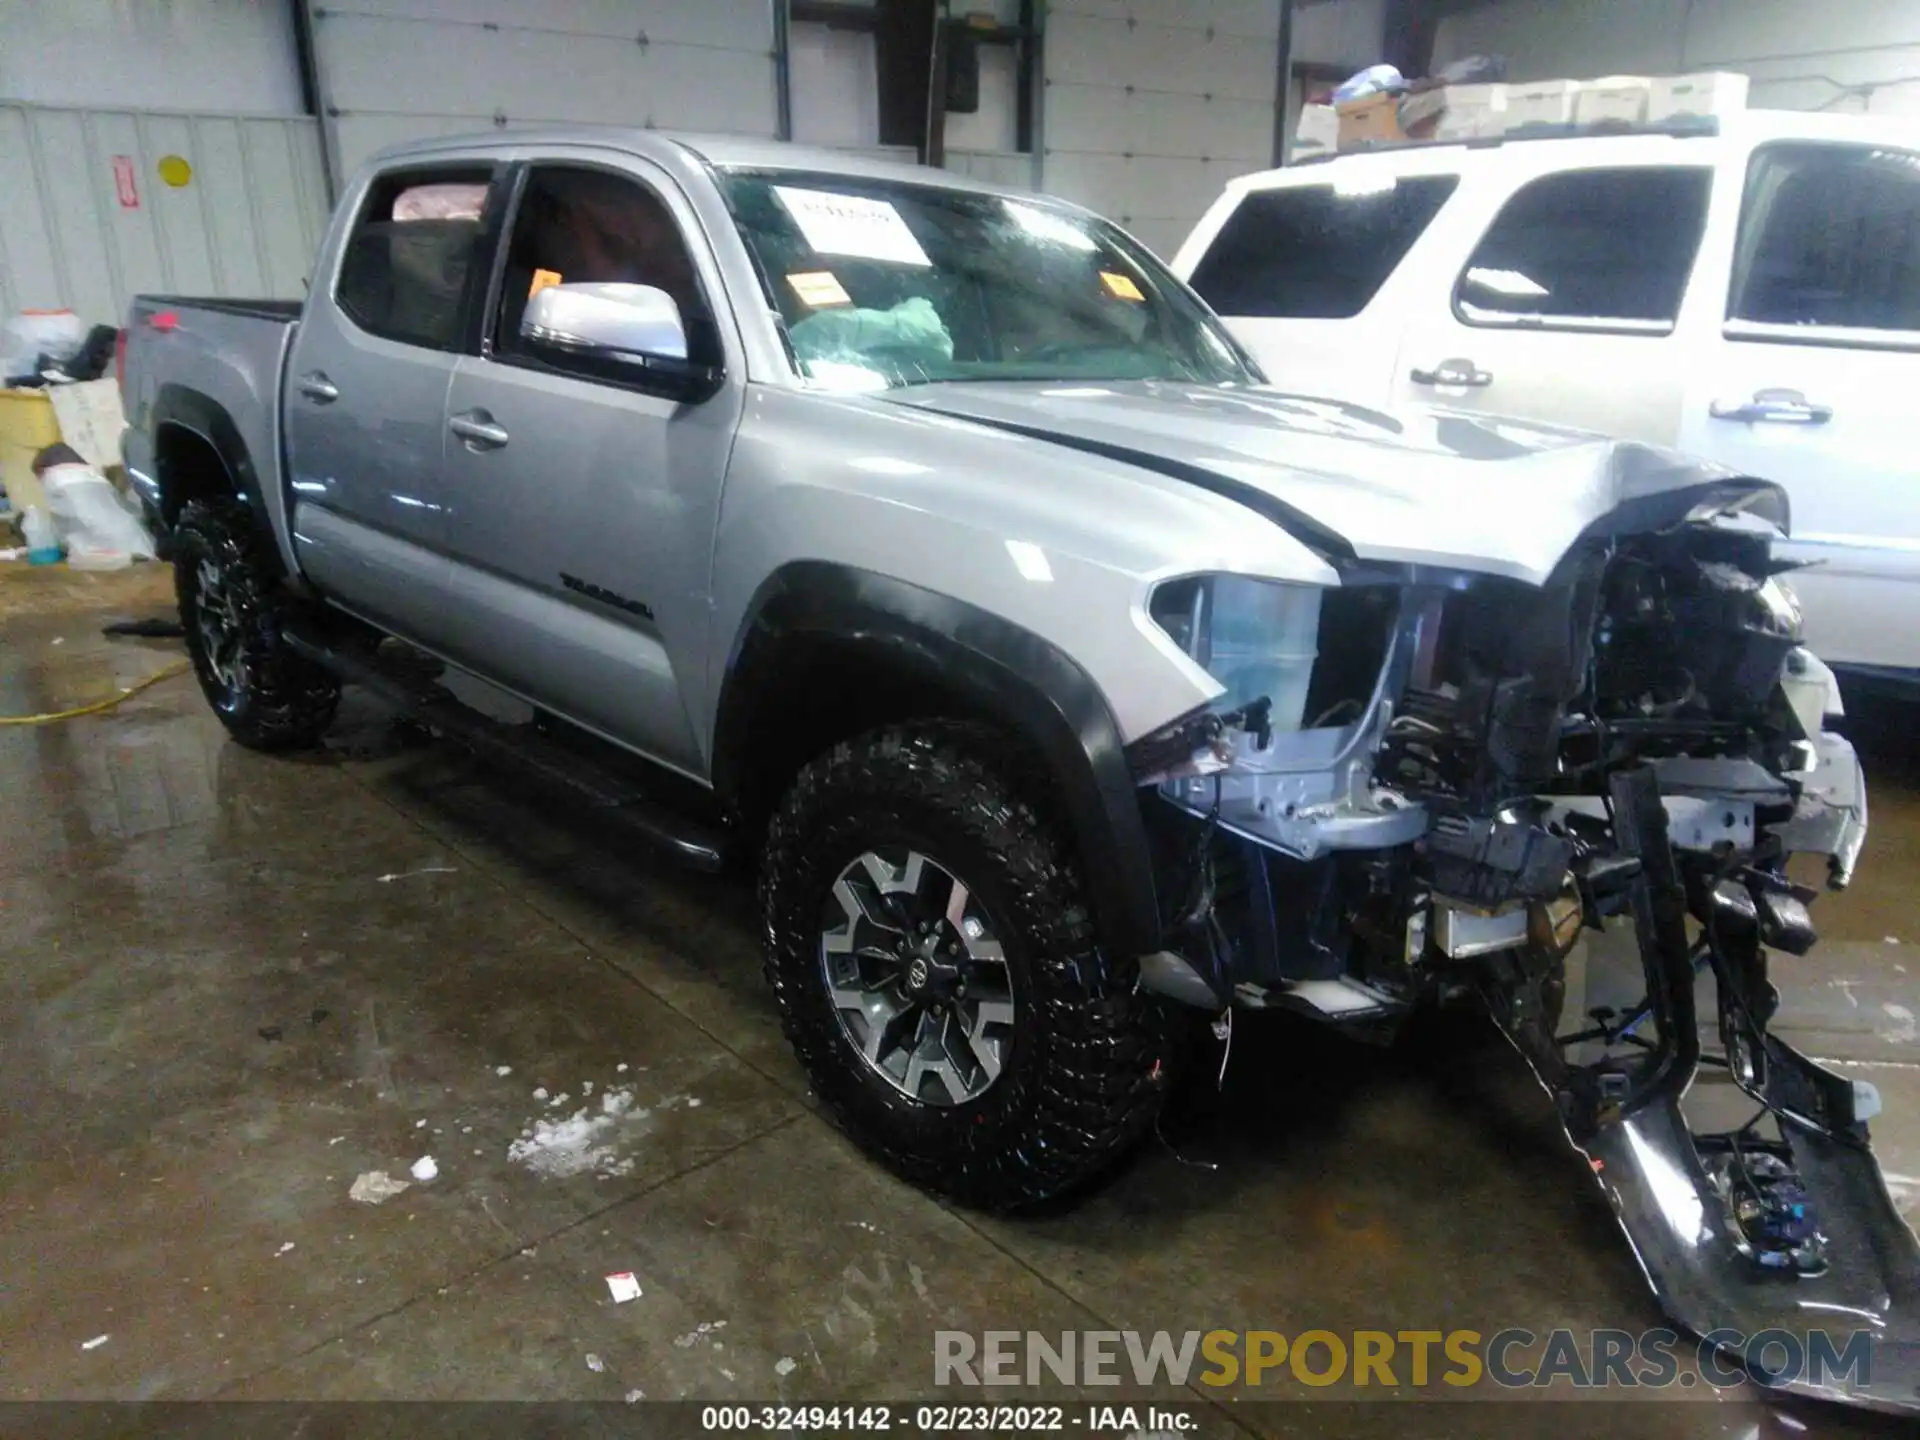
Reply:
x=1422, y=785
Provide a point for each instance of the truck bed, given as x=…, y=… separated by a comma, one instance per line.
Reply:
x=281, y=310
x=211, y=367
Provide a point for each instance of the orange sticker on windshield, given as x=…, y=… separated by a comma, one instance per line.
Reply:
x=541, y=280
x=819, y=288
x=1121, y=286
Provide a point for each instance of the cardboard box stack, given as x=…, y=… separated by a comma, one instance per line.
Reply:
x=1439, y=111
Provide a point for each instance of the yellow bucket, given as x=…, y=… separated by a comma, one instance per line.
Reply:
x=27, y=426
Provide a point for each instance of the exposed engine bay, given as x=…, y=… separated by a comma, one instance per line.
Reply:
x=1460, y=779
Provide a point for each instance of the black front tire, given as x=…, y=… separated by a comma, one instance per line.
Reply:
x=1090, y=1056
x=231, y=606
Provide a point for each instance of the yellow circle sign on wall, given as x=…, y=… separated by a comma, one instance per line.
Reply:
x=175, y=170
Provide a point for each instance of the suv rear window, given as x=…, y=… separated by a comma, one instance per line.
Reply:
x=1312, y=252
x=1830, y=235
x=1602, y=249
x=404, y=273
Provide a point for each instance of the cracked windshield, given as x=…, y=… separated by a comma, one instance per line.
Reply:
x=884, y=284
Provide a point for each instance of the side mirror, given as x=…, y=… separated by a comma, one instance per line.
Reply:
x=634, y=323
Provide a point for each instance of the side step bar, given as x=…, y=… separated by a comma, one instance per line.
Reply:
x=432, y=706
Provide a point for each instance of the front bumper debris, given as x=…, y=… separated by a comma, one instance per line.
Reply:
x=1783, y=1224
x=1649, y=1167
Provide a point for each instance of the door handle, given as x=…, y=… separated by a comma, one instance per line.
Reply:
x=1775, y=407
x=476, y=427
x=318, y=388
x=1458, y=371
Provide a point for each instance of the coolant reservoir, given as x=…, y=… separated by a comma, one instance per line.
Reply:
x=1265, y=638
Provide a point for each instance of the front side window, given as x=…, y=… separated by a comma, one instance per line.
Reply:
x=1316, y=252
x=1830, y=236
x=575, y=225
x=404, y=272
x=883, y=284
x=1590, y=249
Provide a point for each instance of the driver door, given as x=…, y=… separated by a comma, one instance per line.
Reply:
x=582, y=499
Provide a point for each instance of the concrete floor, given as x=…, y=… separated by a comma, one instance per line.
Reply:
x=230, y=984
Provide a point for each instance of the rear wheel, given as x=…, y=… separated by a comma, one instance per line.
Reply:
x=937, y=975
x=268, y=697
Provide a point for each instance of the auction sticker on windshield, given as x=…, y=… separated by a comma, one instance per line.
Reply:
x=851, y=225
x=820, y=289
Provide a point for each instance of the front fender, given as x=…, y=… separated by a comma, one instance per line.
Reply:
x=814, y=618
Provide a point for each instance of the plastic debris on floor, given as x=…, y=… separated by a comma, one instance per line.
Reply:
x=375, y=1187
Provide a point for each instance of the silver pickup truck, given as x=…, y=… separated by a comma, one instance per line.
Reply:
x=931, y=547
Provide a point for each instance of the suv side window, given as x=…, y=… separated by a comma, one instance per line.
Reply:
x=403, y=274
x=1829, y=235
x=1312, y=252
x=1591, y=250
x=580, y=225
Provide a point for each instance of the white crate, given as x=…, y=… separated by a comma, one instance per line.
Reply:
x=1541, y=102
x=1472, y=111
x=1615, y=100
x=1318, y=132
x=1678, y=97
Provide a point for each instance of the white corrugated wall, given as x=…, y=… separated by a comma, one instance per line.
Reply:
x=1840, y=55
x=89, y=221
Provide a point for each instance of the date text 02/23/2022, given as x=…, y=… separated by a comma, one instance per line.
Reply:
x=948, y=1419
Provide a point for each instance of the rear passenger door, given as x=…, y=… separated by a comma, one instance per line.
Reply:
x=366, y=388
x=1809, y=380
x=1566, y=308
x=1314, y=277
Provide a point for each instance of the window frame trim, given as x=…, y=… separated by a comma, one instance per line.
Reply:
x=1587, y=324
x=456, y=343
x=1822, y=337
x=1737, y=331
x=692, y=389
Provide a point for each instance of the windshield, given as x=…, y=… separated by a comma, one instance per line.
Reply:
x=883, y=284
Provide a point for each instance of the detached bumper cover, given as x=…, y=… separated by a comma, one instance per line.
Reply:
x=1862, y=1291
x=1651, y=1173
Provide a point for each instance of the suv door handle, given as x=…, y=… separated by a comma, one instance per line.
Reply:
x=1778, y=407
x=318, y=388
x=476, y=427
x=1458, y=371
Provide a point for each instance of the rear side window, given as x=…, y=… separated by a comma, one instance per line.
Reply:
x=404, y=273
x=1589, y=249
x=1315, y=252
x=1830, y=235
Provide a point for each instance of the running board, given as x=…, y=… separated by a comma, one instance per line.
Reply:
x=1339, y=1001
x=603, y=791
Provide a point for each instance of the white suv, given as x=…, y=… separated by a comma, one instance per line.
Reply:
x=1751, y=296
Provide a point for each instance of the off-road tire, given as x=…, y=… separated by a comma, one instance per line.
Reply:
x=1085, y=1076
x=271, y=698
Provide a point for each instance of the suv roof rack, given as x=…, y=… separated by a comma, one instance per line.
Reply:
x=1684, y=127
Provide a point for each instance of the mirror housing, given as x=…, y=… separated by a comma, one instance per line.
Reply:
x=631, y=323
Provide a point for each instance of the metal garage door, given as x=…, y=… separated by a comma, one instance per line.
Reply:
x=1151, y=107
x=398, y=69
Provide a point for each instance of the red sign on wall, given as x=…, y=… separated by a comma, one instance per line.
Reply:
x=124, y=184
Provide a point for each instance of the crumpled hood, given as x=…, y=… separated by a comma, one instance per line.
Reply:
x=1422, y=486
